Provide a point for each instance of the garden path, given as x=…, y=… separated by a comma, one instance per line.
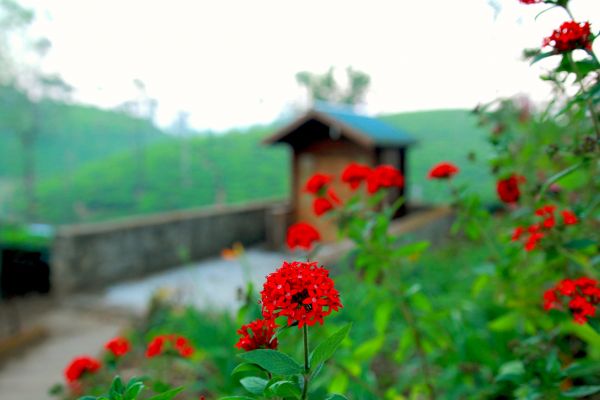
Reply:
x=82, y=323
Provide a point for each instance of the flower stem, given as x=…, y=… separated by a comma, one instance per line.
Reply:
x=306, y=365
x=410, y=320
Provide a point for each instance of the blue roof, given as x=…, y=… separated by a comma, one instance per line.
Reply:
x=380, y=132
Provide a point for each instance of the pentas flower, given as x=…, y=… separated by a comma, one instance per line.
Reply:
x=80, y=366
x=354, y=174
x=302, y=235
x=321, y=205
x=118, y=346
x=384, y=176
x=443, y=170
x=570, y=36
x=530, y=1
x=257, y=335
x=301, y=291
x=166, y=343
x=508, y=188
x=583, y=295
x=317, y=182
x=533, y=234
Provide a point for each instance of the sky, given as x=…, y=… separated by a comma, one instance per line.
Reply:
x=233, y=63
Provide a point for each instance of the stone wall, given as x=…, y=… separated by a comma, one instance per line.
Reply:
x=91, y=256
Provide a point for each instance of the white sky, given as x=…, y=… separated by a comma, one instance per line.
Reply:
x=232, y=63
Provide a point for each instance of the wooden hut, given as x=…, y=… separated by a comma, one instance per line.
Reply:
x=326, y=139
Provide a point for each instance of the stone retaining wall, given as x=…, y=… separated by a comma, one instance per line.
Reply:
x=91, y=256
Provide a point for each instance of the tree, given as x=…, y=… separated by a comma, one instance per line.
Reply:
x=325, y=87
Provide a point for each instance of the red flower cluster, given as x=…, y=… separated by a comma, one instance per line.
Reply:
x=584, y=294
x=317, y=182
x=257, y=335
x=300, y=291
x=570, y=36
x=443, y=170
x=79, y=366
x=384, y=176
x=322, y=205
x=530, y=1
x=354, y=174
x=537, y=231
x=302, y=235
x=163, y=343
x=118, y=346
x=508, y=189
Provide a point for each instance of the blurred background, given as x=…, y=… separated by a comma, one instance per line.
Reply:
x=113, y=110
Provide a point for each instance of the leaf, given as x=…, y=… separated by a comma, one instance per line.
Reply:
x=382, y=317
x=236, y=398
x=511, y=371
x=254, y=385
x=168, y=395
x=336, y=397
x=541, y=56
x=88, y=398
x=369, y=348
x=133, y=391
x=117, y=387
x=411, y=249
x=245, y=368
x=325, y=350
x=285, y=389
x=581, y=391
x=582, y=369
x=273, y=361
x=504, y=323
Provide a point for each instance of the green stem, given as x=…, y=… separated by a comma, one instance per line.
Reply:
x=588, y=101
x=306, y=365
x=410, y=320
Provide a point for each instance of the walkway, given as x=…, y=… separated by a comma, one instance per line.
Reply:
x=85, y=322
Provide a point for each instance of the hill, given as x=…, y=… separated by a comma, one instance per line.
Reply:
x=71, y=136
x=445, y=135
x=234, y=167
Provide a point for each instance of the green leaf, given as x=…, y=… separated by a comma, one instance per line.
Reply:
x=504, y=323
x=245, y=368
x=336, y=397
x=168, y=395
x=411, y=249
x=582, y=369
x=511, y=371
x=369, y=348
x=116, y=388
x=133, y=391
x=285, y=389
x=541, y=56
x=88, y=398
x=254, y=385
x=325, y=350
x=273, y=361
x=581, y=391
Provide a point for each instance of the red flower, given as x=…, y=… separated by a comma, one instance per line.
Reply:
x=333, y=196
x=530, y=1
x=317, y=182
x=163, y=343
x=118, y=346
x=354, y=174
x=545, y=210
x=300, y=291
x=302, y=235
x=384, y=176
x=570, y=36
x=533, y=240
x=257, y=335
x=569, y=218
x=517, y=233
x=443, y=170
x=79, y=366
x=584, y=296
x=508, y=189
x=321, y=205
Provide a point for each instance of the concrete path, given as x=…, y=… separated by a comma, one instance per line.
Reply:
x=212, y=283
x=87, y=321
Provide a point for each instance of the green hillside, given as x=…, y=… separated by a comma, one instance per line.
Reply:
x=234, y=167
x=445, y=135
x=70, y=136
x=229, y=168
